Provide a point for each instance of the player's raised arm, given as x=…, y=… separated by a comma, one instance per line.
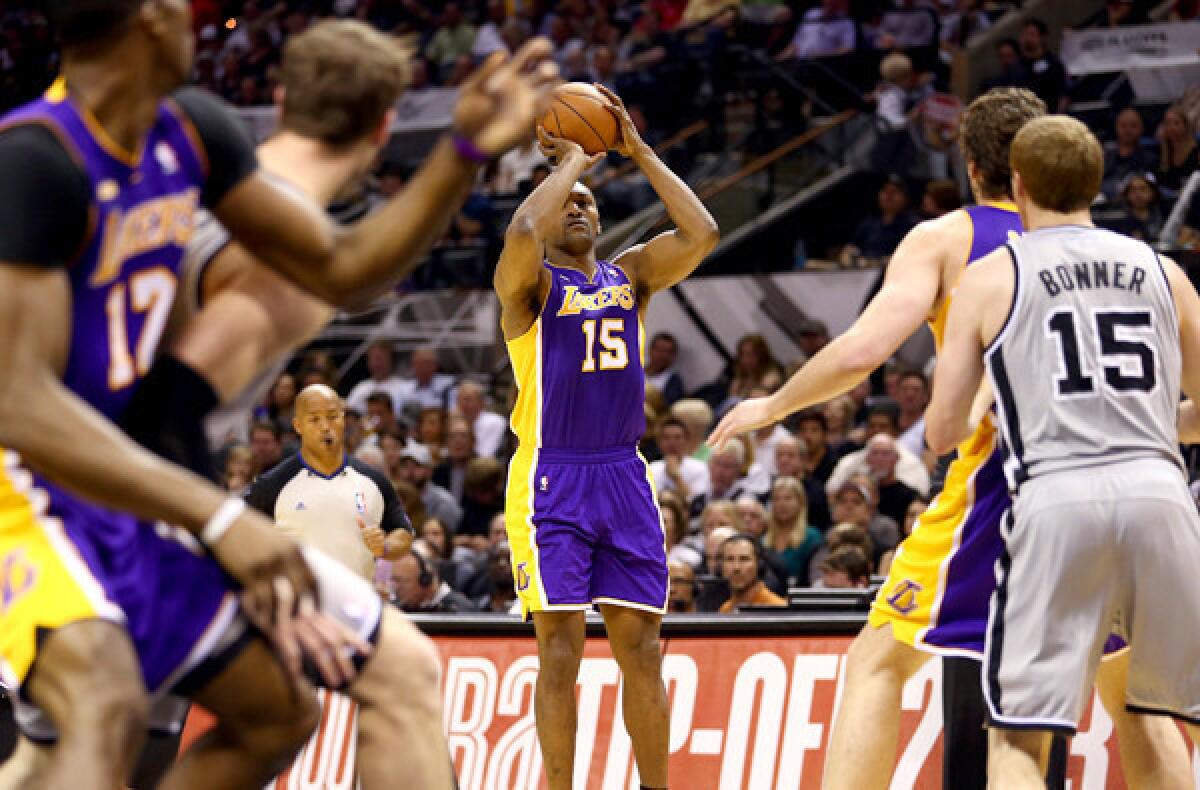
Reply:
x=519, y=270
x=671, y=256
x=909, y=293
x=956, y=382
x=496, y=110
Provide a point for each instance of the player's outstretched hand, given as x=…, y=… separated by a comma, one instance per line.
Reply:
x=629, y=140
x=559, y=149
x=749, y=415
x=499, y=103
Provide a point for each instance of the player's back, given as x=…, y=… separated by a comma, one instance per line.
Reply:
x=578, y=368
x=1087, y=367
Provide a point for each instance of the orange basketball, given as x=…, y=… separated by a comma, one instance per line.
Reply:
x=580, y=113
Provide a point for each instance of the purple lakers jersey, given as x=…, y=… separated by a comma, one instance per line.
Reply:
x=579, y=367
x=123, y=280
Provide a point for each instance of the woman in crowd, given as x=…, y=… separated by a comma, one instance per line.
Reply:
x=914, y=511
x=239, y=468
x=1142, y=217
x=431, y=432
x=1179, y=156
x=754, y=367
x=790, y=541
x=675, y=526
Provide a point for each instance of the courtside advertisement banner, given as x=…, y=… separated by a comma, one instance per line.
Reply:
x=747, y=713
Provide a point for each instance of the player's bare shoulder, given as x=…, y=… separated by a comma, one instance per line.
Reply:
x=943, y=243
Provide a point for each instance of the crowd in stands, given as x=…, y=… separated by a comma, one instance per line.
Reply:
x=819, y=502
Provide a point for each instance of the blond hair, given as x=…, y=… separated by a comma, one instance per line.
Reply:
x=1060, y=163
x=340, y=77
x=797, y=529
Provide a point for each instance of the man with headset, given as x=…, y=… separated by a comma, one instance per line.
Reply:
x=415, y=586
x=743, y=567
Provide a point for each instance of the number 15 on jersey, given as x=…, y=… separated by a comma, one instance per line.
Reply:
x=614, y=354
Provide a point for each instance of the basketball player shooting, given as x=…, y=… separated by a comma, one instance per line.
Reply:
x=581, y=512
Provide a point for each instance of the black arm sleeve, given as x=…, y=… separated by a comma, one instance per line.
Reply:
x=226, y=141
x=45, y=198
x=394, y=517
x=264, y=491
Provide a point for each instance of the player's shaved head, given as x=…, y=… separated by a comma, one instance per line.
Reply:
x=316, y=396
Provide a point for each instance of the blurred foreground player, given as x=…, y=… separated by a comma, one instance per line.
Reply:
x=67, y=159
x=935, y=599
x=1086, y=337
x=581, y=512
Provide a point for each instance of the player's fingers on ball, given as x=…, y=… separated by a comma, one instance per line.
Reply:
x=612, y=97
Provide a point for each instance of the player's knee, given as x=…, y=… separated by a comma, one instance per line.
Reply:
x=118, y=704
x=559, y=659
x=644, y=655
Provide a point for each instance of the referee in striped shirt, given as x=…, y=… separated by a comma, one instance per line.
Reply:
x=321, y=497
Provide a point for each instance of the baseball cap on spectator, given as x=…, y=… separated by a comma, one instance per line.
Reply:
x=417, y=452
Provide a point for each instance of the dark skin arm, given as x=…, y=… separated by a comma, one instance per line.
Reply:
x=62, y=436
x=292, y=235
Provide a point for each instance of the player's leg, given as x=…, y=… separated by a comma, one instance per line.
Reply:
x=634, y=637
x=88, y=681
x=560, y=638
x=862, y=746
x=400, y=711
x=1016, y=759
x=964, y=713
x=263, y=719
x=1153, y=751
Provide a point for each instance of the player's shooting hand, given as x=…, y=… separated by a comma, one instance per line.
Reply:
x=749, y=415
x=499, y=103
x=629, y=141
x=559, y=150
x=374, y=537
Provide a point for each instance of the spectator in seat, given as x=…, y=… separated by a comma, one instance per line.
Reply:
x=812, y=336
x=882, y=417
x=847, y=534
x=515, y=167
x=265, y=445
x=677, y=470
x=431, y=430
x=416, y=586
x=753, y=515
x=675, y=528
x=1179, y=155
x=660, y=367
x=355, y=430
x=719, y=514
x=1012, y=72
x=912, y=395
x=941, y=197
x=856, y=502
x=915, y=509
x=743, y=566
x=428, y=388
x=823, y=32
x=790, y=540
x=812, y=428
x=372, y=456
x=753, y=367
x=1044, y=72
x=380, y=378
x=1125, y=155
x=712, y=549
x=483, y=498
x=1123, y=13
x=415, y=467
x=460, y=449
x=1141, y=215
x=281, y=401
x=490, y=429
x=681, y=599
x=846, y=569
x=840, y=429
x=894, y=496
x=878, y=236
x=604, y=66
x=725, y=472
x=501, y=597
x=895, y=100
x=381, y=417
x=487, y=37
x=454, y=37
x=239, y=468
x=791, y=460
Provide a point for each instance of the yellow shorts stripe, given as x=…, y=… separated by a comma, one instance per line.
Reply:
x=44, y=583
x=522, y=534
x=912, y=594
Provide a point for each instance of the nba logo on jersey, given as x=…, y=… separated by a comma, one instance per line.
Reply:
x=360, y=502
x=545, y=483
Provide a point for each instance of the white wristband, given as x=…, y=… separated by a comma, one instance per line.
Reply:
x=222, y=520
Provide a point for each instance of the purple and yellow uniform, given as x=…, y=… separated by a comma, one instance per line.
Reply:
x=119, y=229
x=937, y=592
x=582, y=517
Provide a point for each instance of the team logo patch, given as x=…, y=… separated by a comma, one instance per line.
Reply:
x=17, y=577
x=545, y=483
x=522, y=578
x=904, y=599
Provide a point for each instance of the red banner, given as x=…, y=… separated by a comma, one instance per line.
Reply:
x=746, y=714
